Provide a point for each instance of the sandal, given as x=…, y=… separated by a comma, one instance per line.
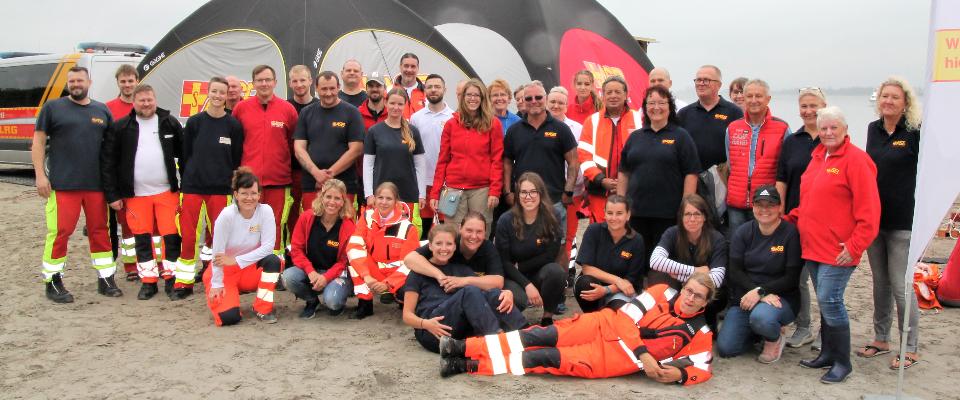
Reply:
x=910, y=362
x=863, y=352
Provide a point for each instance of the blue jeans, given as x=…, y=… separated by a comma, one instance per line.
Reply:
x=737, y=217
x=740, y=328
x=830, y=282
x=334, y=294
x=470, y=311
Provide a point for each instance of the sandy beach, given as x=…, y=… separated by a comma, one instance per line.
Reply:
x=102, y=348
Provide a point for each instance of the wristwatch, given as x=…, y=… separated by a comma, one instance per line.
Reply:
x=760, y=291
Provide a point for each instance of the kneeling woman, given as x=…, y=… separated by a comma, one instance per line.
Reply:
x=384, y=235
x=319, y=251
x=463, y=312
x=612, y=257
x=528, y=239
x=243, y=239
x=660, y=332
x=763, y=280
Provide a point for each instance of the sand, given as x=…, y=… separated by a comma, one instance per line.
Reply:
x=103, y=348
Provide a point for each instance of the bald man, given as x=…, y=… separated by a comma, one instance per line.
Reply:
x=660, y=76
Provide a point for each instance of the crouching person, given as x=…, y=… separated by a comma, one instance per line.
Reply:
x=463, y=312
x=243, y=262
x=661, y=332
x=319, y=251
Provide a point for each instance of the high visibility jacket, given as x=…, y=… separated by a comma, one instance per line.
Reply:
x=382, y=245
x=417, y=98
x=741, y=185
x=599, y=148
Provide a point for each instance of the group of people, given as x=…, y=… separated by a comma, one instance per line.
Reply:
x=707, y=211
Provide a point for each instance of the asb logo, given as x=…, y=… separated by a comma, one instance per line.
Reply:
x=776, y=249
x=338, y=124
x=834, y=170
x=720, y=117
x=193, y=99
x=626, y=255
x=333, y=243
x=668, y=141
x=550, y=134
x=97, y=121
x=277, y=124
x=899, y=143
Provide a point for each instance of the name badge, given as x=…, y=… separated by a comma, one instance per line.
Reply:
x=255, y=228
x=225, y=140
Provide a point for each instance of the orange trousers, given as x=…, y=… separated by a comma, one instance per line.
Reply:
x=394, y=276
x=260, y=278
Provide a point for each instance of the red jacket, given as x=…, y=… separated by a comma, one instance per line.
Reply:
x=469, y=159
x=580, y=111
x=267, y=138
x=368, y=118
x=740, y=186
x=839, y=203
x=373, y=242
x=417, y=99
x=298, y=245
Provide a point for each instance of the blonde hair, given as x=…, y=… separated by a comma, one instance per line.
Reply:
x=482, y=119
x=704, y=279
x=405, y=132
x=912, y=111
x=346, y=212
x=500, y=84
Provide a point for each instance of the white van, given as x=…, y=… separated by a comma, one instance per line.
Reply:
x=27, y=81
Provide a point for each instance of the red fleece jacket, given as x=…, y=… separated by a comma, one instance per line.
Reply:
x=298, y=245
x=469, y=159
x=839, y=203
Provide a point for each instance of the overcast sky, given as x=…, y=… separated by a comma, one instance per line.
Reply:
x=827, y=43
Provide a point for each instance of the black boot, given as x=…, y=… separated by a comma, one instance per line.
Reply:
x=825, y=358
x=457, y=365
x=450, y=347
x=181, y=293
x=168, y=286
x=387, y=298
x=364, y=309
x=840, y=349
x=147, y=291
x=57, y=292
x=107, y=287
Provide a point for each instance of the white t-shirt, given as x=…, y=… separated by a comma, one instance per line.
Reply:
x=149, y=171
x=247, y=240
x=430, y=124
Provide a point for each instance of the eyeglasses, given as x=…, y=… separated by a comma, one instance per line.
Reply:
x=704, y=81
x=528, y=194
x=472, y=95
x=696, y=296
x=532, y=98
x=692, y=215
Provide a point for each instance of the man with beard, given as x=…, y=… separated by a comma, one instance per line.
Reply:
x=139, y=171
x=352, y=92
x=429, y=121
x=328, y=140
x=299, y=80
x=75, y=126
x=409, y=68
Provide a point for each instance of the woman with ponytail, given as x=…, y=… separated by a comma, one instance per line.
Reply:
x=393, y=152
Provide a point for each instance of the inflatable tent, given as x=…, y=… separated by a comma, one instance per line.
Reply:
x=516, y=41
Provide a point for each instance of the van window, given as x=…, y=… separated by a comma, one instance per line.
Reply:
x=24, y=85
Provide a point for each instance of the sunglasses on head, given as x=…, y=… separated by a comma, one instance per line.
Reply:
x=532, y=98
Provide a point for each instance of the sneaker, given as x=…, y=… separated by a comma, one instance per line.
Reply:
x=800, y=337
x=268, y=318
x=772, y=351
x=309, y=311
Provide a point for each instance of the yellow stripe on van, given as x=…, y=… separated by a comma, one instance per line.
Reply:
x=59, y=78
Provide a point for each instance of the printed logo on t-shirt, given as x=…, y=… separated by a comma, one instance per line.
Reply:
x=776, y=249
x=899, y=143
x=549, y=134
x=626, y=255
x=834, y=170
x=338, y=124
x=225, y=140
x=333, y=243
x=668, y=141
x=721, y=117
x=255, y=228
x=278, y=124
x=98, y=121
x=539, y=241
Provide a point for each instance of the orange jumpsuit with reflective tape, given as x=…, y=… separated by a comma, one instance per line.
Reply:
x=377, y=248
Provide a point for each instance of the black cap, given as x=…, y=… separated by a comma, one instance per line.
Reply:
x=766, y=193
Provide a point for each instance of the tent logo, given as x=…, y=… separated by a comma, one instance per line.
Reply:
x=601, y=72
x=193, y=99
